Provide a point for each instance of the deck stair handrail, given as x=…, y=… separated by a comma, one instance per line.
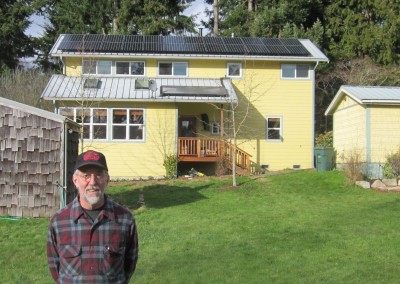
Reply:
x=201, y=147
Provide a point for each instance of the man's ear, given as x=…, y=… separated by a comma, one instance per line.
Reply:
x=75, y=180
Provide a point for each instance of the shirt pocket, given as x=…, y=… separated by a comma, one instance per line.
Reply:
x=70, y=260
x=114, y=259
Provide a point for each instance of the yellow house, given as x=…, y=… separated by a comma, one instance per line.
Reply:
x=143, y=98
x=366, y=125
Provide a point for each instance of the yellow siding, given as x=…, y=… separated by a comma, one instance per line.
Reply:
x=385, y=132
x=349, y=130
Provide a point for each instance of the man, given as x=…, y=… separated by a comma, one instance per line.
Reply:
x=92, y=239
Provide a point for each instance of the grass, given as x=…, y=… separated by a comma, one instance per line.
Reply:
x=302, y=227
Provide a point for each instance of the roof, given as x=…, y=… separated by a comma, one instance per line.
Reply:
x=181, y=46
x=33, y=110
x=366, y=95
x=61, y=87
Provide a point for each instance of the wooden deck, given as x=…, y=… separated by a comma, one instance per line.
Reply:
x=195, y=149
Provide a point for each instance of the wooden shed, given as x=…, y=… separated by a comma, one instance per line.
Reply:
x=37, y=154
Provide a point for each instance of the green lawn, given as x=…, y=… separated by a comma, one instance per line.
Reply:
x=301, y=227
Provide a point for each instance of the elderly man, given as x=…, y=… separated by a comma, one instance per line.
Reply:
x=92, y=239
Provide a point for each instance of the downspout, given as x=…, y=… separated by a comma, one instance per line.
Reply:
x=176, y=135
x=368, y=136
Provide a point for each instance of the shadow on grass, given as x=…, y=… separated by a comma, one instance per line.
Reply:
x=158, y=196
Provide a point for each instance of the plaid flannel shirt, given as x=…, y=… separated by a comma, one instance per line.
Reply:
x=105, y=251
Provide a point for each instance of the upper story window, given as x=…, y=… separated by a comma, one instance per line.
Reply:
x=96, y=67
x=234, y=70
x=295, y=71
x=274, y=128
x=172, y=68
x=135, y=68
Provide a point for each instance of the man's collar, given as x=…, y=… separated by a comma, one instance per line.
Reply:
x=107, y=210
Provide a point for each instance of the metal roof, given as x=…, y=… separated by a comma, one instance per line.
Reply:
x=366, y=95
x=180, y=46
x=33, y=110
x=61, y=87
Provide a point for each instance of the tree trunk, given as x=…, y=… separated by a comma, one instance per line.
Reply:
x=216, y=18
x=250, y=5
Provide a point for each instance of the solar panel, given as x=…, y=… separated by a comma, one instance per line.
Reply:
x=186, y=45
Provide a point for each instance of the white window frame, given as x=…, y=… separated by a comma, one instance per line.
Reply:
x=228, y=65
x=88, y=121
x=215, y=128
x=296, y=71
x=280, y=128
x=128, y=124
x=130, y=68
x=97, y=67
x=173, y=68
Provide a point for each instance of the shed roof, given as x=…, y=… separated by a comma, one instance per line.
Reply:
x=34, y=110
x=61, y=87
x=366, y=95
x=183, y=46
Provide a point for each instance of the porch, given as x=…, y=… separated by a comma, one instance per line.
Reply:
x=196, y=149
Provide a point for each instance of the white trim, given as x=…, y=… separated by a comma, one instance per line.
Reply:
x=240, y=70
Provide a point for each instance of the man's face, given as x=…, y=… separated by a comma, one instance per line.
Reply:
x=91, y=183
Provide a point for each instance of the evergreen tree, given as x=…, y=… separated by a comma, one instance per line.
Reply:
x=14, y=44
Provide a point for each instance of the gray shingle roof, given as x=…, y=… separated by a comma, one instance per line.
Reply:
x=62, y=87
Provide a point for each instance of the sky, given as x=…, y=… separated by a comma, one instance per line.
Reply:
x=196, y=8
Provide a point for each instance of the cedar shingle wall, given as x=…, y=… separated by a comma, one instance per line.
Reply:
x=30, y=163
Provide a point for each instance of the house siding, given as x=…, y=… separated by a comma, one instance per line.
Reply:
x=349, y=130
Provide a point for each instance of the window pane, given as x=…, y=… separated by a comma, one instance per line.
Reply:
x=234, y=70
x=119, y=116
x=68, y=112
x=122, y=68
x=274, y=123
x=165, y=68
x=89, y=67
x=302, y=71
x=137, y=68
x=136, y=116
x=103, y=67
x=273, y=134
x=86, y=131
x=99, y=116
x=180, y=69
x=135, y=132
x=99, y=132
x=83, y=115
x=288, y=71
x=119, y=132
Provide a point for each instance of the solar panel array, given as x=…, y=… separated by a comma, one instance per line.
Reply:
x=182, y=45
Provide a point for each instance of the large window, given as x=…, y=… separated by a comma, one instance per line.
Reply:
x=295, y=71
x=234, y=70
x=135, y=68
x=128, y=124
x=172, y=68
x=274, y=128
x=96, y=67
x=94, y=121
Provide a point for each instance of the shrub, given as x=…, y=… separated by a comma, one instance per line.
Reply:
x=388, y=171
x=324, y=139
x=353, y=165
x=170, y=162
x=393, y=160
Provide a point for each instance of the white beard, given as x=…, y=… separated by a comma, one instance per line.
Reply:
x=93, y=199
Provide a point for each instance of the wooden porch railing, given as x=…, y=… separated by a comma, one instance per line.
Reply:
x=196, y=149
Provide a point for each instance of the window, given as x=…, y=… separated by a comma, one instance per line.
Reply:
x=215, y=128
x=274, y=128
x=96, y=67
x=128, y=124
x=135, y=68
x=94, y=121
x=234, y=70
x=172, y=68
x=295, y=71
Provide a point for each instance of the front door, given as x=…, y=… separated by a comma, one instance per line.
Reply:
x=187, y=126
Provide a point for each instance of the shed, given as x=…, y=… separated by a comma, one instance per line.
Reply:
x=37, y=153
x=366, y=121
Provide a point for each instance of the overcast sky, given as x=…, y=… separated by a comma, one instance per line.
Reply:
x=196, y=8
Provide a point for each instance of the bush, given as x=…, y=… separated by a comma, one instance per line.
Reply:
x=353, y=165
x=393, y=161
x=170, y=162
x=324, y=139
